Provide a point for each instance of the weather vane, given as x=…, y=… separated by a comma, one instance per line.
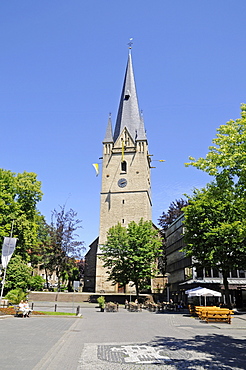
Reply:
x=130, y=43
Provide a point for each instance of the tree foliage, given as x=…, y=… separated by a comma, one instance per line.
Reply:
x=215, y=228
x=37, y=283
x=18, y=274
x=41, y=253
x=15, y=295
x=130, y=254
x=227, y=158
x=19, y=195
x=215, y=219
x=63, y=248
x=174, y=211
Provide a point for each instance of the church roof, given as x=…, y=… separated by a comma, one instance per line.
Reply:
x=128, y=114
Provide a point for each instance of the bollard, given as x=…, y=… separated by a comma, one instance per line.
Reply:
x=32, y=306
x=55, y=307
x=77, y=311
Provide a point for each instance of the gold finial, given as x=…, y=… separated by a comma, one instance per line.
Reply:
x=130, y=43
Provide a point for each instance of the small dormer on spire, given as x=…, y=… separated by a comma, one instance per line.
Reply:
x=108, y=141
x=109, y=132
x=141, y=134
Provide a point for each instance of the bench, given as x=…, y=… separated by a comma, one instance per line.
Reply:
x=214, y=313
x=18, y=312
x=201, y=310
x=220, y=315
x=192, y=309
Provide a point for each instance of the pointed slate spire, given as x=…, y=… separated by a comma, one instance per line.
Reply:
x=141, y=135
x=128, y=113
x=109, y=133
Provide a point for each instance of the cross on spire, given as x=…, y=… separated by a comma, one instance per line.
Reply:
x=130, y=43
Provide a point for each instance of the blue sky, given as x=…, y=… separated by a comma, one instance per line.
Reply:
x=62, y=67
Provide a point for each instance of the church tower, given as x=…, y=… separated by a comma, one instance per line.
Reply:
x=126, y=187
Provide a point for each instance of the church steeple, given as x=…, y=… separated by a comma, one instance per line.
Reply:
x=128, y=114
x=126, y=185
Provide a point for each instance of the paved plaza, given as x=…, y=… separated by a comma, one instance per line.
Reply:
x=121, y=340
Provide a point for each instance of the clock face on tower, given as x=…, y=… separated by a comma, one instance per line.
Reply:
x=122, y=183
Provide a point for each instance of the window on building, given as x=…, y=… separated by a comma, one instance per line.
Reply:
x=123, y=166
x=208, y=272
x=199, y=272
x=234, y=273
x=188, y=273
x=241, y=274
x=215, y=272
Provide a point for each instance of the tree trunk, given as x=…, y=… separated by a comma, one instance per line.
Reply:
x=70, y=285
x=137, y=290
x=58, y=280
x=46, y=278
x=226, y=286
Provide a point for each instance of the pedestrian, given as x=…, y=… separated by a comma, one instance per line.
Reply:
x=22, y=308
x=27, y=308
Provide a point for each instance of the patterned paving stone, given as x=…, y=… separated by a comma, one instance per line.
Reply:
x=142, y=356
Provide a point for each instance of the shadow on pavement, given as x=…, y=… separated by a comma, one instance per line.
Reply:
x=217, y=350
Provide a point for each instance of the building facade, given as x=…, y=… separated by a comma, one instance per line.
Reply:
x=183, y=275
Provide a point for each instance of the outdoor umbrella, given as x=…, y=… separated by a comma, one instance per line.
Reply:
x=204, y=292
x=193, y=290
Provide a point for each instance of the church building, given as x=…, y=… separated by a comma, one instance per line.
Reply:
x=126, y=184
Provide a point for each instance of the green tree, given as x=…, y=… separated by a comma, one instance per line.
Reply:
x=215, y=230
x=19, y=195
x=15, y=295
x=63, y=245
x=41, y=253
x=174, y=211
x=227, y=158
x=131, y=254
x=18, y=274
x=116, y=256
x=36, y=283
x=70, y=274
x=215, y=219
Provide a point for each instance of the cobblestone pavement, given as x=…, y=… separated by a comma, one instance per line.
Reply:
x=122, y=340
